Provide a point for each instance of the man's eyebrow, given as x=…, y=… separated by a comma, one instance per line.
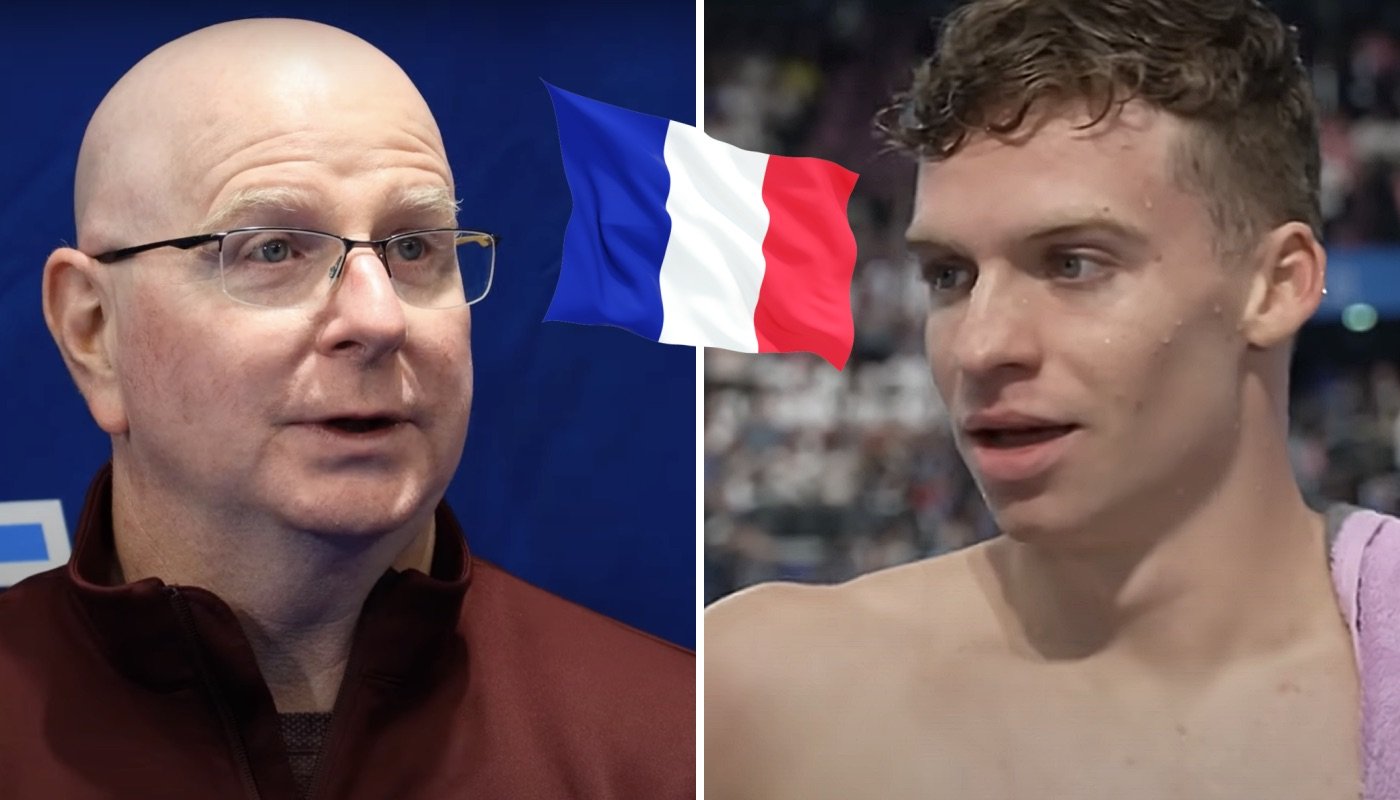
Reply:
x=1090, y=225
x=435, y=202
x=929, y=241
x=248, y=202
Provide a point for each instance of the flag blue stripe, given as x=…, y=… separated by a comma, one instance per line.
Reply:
x=617, y=234
x=23, y=542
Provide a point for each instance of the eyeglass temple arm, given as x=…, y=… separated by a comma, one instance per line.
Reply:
x=483, y=237
x=183, y=243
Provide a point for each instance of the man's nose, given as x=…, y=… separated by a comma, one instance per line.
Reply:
x=365, y=316
x=998, y=328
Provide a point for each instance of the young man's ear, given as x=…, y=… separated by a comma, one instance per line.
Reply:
x=1286, y=288
x=78, y=309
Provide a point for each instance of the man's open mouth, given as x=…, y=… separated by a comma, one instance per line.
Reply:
x=1018, y=437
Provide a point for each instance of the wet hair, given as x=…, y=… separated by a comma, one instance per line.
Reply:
x=1229, y=68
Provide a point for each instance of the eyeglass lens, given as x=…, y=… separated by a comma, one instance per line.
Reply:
x=287, y=268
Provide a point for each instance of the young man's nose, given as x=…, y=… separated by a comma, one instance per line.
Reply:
x=997, y=326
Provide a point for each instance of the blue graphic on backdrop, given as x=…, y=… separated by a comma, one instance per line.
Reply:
x=33, y=538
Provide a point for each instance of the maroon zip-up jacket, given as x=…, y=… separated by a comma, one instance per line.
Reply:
x=467, y=683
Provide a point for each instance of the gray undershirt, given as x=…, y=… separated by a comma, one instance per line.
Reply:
x=303, y=734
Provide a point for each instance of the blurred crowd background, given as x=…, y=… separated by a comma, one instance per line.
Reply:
x=817, y=475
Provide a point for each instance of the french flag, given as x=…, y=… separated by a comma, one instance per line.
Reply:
x=683, y=239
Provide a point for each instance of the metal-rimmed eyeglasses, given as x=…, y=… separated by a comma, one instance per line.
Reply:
x=296, y=267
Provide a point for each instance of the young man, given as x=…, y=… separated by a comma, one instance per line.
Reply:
x=1116, y=214
x=269, y=311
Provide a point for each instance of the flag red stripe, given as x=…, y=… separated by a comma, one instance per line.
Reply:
x=804, y=303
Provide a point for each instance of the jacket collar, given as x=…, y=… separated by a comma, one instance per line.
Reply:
x=408, y=620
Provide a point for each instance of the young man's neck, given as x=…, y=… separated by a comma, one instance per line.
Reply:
x=298, y=596
x=1242, y=573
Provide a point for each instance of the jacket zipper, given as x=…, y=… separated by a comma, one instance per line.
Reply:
x=337, y=724
x=231, y=734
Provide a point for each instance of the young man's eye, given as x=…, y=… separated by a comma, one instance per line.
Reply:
x=947, y=277
x=1074, y=267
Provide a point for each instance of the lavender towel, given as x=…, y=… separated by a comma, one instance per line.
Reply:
x=1365, y=557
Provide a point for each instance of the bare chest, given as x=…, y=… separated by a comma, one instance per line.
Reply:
x=1279, y=734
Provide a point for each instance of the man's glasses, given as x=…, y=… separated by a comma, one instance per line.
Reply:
x=293, y=267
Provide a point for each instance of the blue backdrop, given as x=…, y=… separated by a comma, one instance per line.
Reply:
x=579, y=471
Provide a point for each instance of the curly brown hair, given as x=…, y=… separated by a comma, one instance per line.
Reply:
x=1230, y=68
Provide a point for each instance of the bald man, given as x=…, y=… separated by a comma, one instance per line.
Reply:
x=268, y=310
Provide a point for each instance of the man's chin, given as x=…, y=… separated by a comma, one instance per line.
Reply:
x=347, y=523
x=1058, y=523
x=1037, y=519
x=351, y=508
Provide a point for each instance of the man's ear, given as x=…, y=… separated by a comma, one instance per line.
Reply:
x=1290, y=269
x=78, y=307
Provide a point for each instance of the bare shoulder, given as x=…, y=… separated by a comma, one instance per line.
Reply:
x=783, y=637
x=782, y=660
x=785, y=615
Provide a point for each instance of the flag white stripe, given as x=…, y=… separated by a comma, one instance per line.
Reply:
x=713, y=267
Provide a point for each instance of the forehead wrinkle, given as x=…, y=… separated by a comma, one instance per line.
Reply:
x=254, y=161
x=230, y=150
x=323, y=150
x=425, y=134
